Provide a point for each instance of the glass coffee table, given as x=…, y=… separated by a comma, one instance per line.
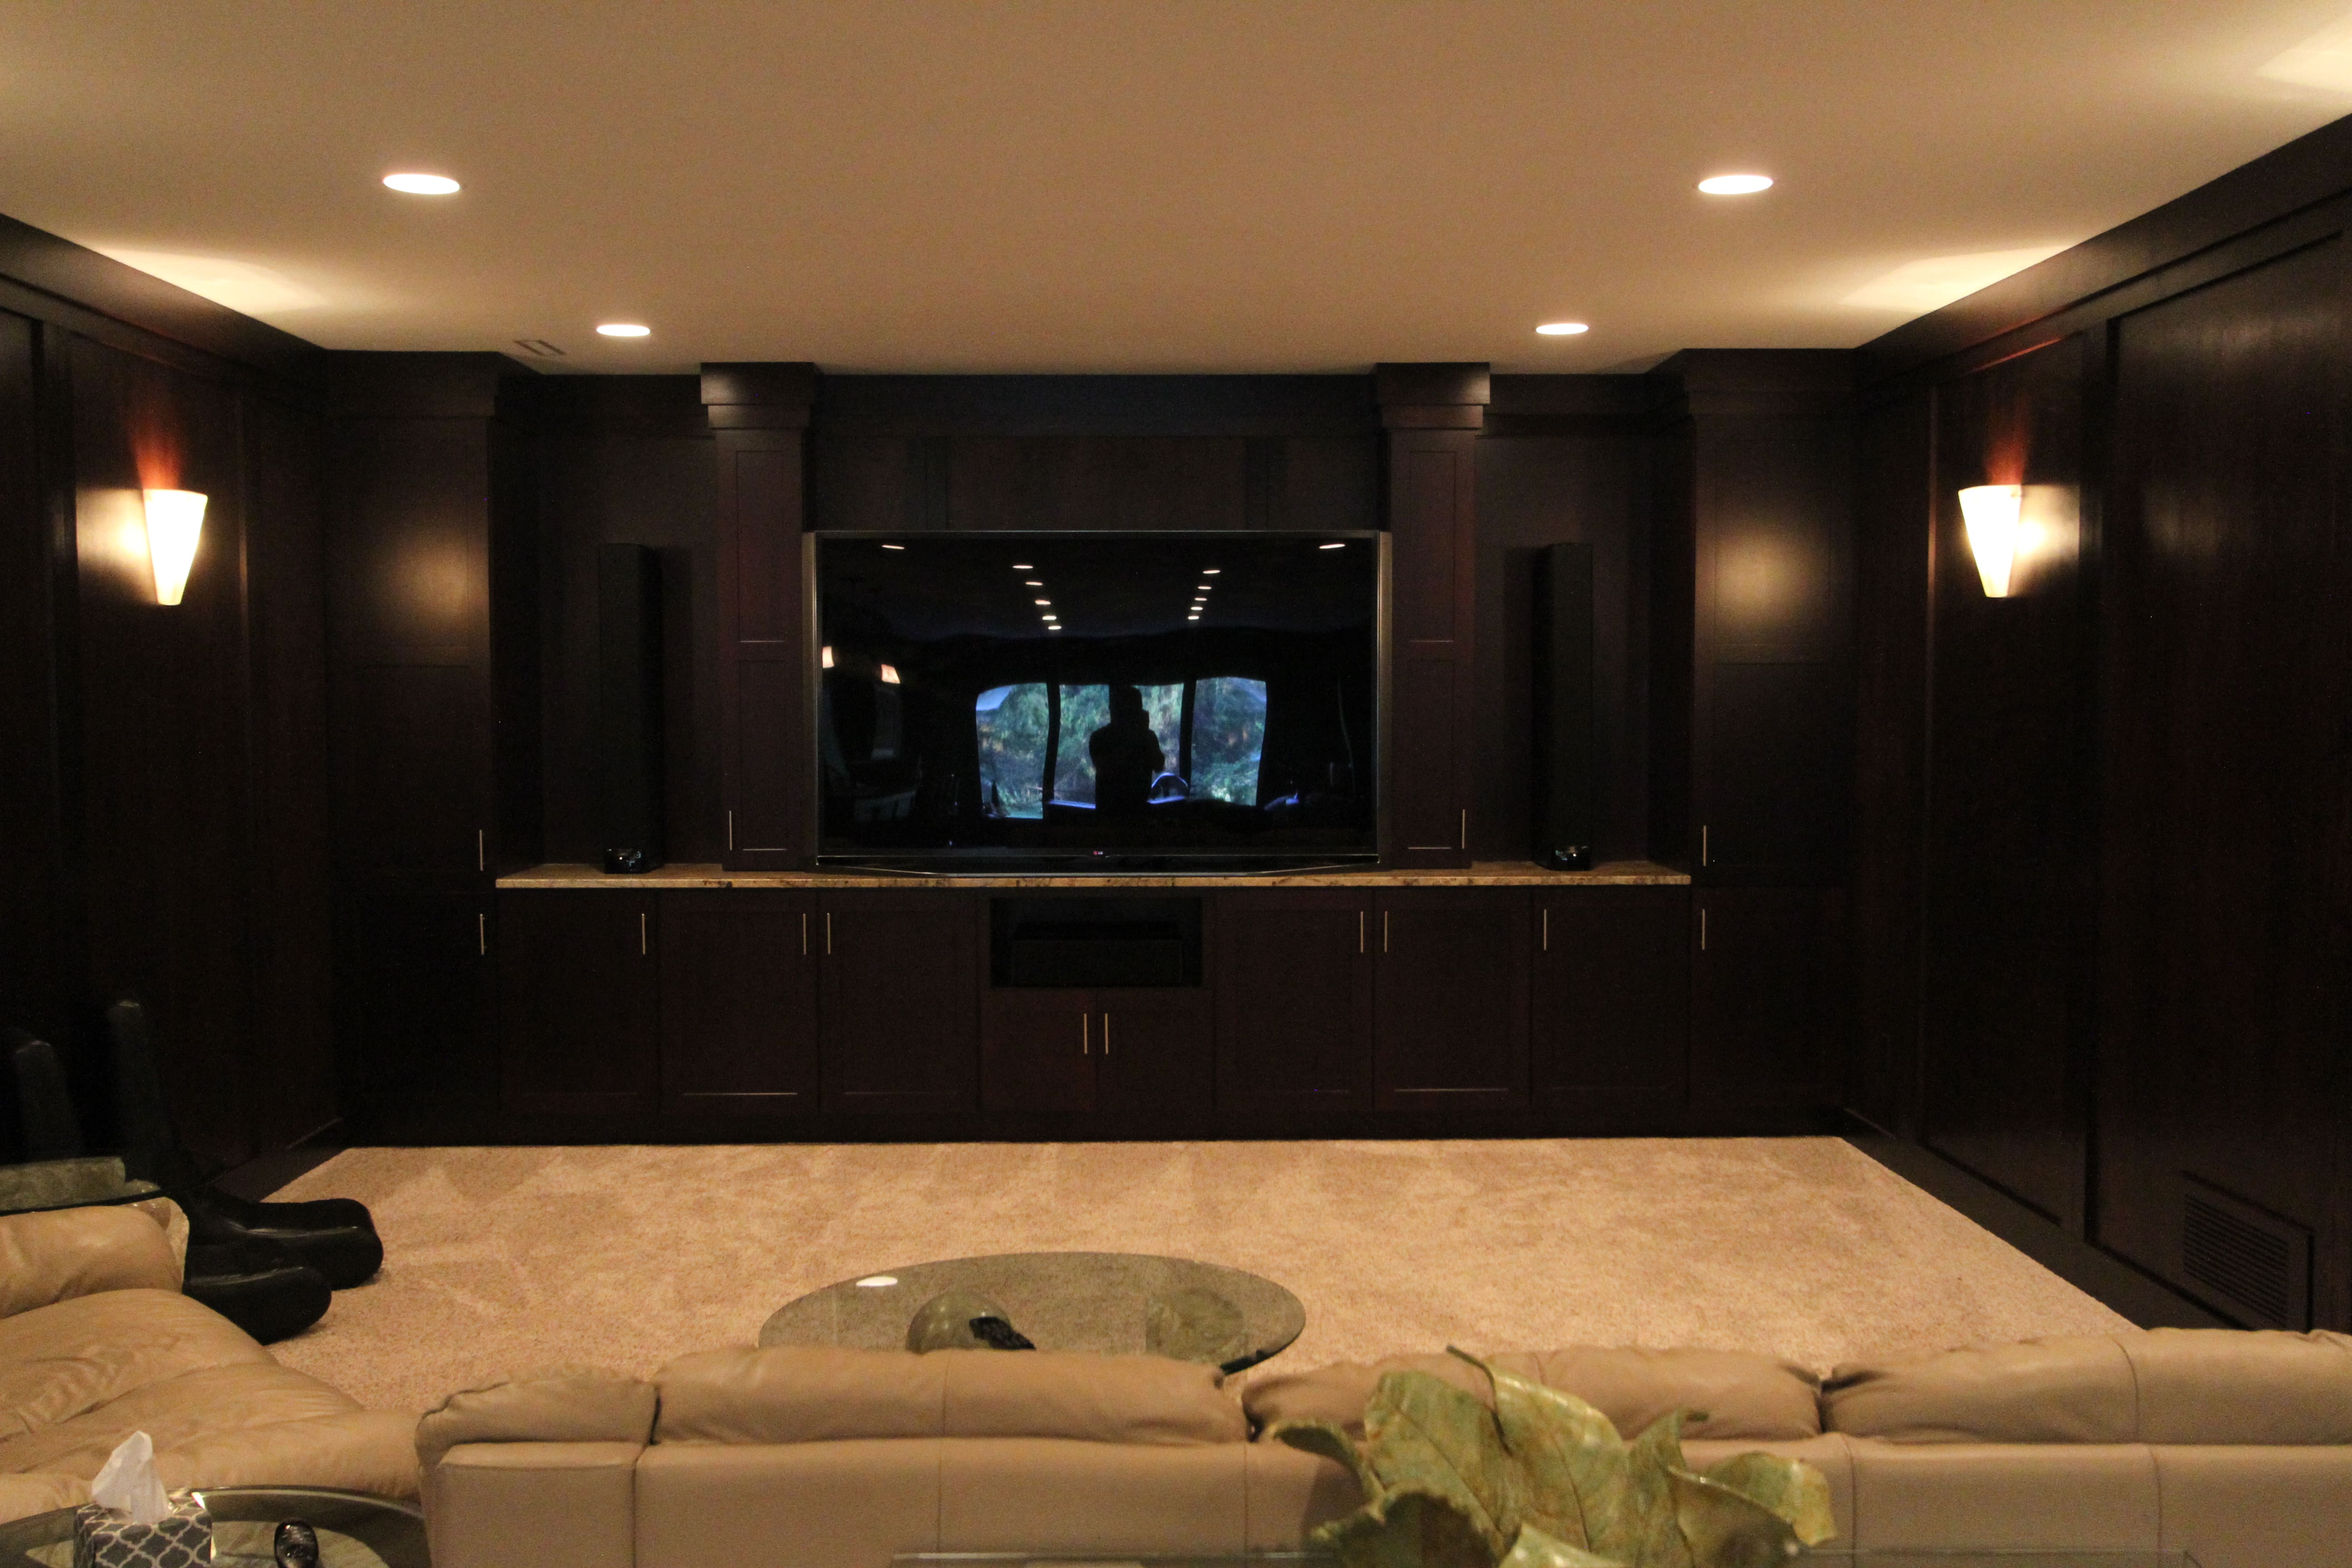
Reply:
x=1110, y=1302
x=355, y=1529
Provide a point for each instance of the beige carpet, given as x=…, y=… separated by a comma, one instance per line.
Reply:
x=624, y=1256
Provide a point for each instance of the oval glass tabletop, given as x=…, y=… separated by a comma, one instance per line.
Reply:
x=1110, y=1302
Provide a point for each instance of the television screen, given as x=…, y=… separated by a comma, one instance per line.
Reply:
x=1098, y=701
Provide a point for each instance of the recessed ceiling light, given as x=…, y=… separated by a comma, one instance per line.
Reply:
x=1335, y=545
x=1734, y=185
x=1210, y=571
x=1034, y=583
x=1561, y=329
x=1206, y=586
x=894, y=547
x=422, y=184
x=878, y=1282
x=1054, y=628
x=1191, y=617
x=1022, y=566
x=624, y=330
x=1044, y=601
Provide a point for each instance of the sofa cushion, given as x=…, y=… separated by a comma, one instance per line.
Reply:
x=371, y=1451
x=21, y=1496
x=2076, y=1388
x=177, y=1411
x=2162, y=1385
x=559, y=1405
x=1743, y=1396
x=805, y=1394
x=2236, y=1386
x=75, y=1357
x=65, y=1253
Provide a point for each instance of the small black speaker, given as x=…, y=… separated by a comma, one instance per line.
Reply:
x=1562, y=817
x=629, y=706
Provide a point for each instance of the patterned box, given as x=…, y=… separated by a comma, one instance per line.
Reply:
x=181, y=1539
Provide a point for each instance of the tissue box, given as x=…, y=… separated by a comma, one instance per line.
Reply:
x=104, y=1538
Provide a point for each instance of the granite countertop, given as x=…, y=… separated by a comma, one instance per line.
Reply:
x=1481, y=874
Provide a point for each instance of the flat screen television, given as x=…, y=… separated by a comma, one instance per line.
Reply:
x=1068, y=701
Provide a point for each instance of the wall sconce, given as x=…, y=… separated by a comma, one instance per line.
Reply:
x=175, y=521
x=1992, y=514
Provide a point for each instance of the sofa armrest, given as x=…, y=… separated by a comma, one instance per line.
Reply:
x=54, y=1255
x=562, y=1404
x=534, y=1504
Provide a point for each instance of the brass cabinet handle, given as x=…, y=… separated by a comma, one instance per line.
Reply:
x=1086, y=1033
x=482, y=933
x=828, y=934
x=1702, y=928
x=643, y=949
x=481, y=850
x=1384, y=930
x=1466, y=828
x=1359, y=930
x=1106, y=1034
x=1546, y=931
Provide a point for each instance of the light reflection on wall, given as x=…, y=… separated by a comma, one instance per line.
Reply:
x=436, y=579
x=1760, y=582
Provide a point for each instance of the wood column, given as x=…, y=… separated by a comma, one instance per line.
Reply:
x=1431, y=414
x=759, y=416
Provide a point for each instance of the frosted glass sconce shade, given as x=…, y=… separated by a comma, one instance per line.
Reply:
x=1992, y=513
x=175, y=521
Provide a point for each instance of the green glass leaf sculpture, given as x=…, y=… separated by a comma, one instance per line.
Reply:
x=1544, y=1480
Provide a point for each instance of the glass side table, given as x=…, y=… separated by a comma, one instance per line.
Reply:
x=355, y=1529
x=1827, y=1556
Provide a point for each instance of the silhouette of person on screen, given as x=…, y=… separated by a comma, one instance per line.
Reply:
x=1127, y=755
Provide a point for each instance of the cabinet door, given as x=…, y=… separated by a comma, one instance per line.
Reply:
x=1610, y=1003
x=579, y=1025
x=1451, y=1006
x=739, y=1003
x=1294, y=1009
x=1037, y=1050
x=417, y=1011
x=1154, y=1053
x=1768, y=1012
x=900, y=1000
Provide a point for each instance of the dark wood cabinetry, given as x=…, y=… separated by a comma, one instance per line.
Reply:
x=1610, y=1015
x=1450, y=999
x=1751, y=698
x=579, y=1003
x=759, y=418
x=1293, y=1006
x=416, y=1013
x=739, y=1005
x=1131, y=1052
x=1767, y=998
x=1432, y=412
x=432, y=586
x=899, y=1000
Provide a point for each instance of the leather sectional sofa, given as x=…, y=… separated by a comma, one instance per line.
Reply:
x=2235, y=1446
x=97, y=1341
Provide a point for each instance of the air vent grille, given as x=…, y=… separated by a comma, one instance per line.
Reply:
x=2254, y=1264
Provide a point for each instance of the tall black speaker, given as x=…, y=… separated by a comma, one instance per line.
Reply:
x=629, y=705
x=1562, y=817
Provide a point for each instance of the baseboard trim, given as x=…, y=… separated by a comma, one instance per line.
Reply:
x=2089, y=1269
x=263, y=1175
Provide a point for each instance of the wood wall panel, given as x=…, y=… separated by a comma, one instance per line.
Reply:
x=39, y=921
x=2006, y=989
x=1891, y=570
x=2221, y=1048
